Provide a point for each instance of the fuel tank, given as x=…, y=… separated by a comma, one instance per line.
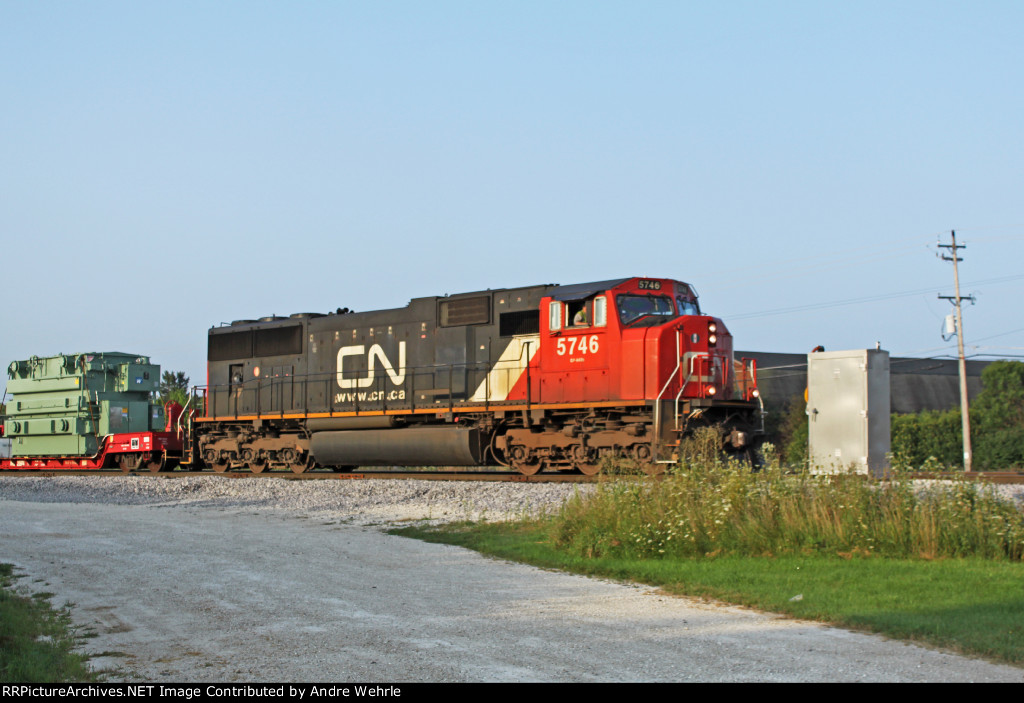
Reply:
x=409, y=446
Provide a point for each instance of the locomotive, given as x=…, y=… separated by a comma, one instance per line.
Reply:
x=544, y=377
x=540, y=377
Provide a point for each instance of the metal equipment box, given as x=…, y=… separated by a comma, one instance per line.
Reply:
x=848, y=411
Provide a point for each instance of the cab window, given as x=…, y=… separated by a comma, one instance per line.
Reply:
x=555, y=316
x=687, y=307
x=644, y=310
x=576, y=313
x=600, y=311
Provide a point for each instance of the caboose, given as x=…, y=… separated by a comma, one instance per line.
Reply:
x=541, y=377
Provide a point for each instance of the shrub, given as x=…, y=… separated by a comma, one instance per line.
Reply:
x=997, y=417
x=794, y=431
x=928, y=437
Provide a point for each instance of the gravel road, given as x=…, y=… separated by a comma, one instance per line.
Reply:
x=210, y=579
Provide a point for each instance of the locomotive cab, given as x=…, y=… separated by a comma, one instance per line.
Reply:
x=638, y=339
x=646, y=340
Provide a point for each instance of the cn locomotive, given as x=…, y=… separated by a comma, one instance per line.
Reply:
x=545, y=377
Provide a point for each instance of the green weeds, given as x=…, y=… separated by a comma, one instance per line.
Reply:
x=714, y=507
x=36, y=641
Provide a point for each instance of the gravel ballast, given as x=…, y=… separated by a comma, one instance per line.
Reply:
x=206, y=578
x=358, y=501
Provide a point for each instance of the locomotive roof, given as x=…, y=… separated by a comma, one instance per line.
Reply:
x=578, y=291
x=575, y=291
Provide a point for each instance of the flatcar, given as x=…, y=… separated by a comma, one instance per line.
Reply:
x=545, y=377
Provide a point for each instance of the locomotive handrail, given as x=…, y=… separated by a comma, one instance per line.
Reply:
x=656, y=443
x=242, y=390
x=179, y=432
x=682, y=386
x=689, y=374
x=529, y=384
x=696, y=356
x=748, y=380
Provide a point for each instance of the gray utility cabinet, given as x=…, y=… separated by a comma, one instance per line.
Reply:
x=848, y=410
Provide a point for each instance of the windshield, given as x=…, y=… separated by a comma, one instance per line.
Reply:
x=655, y=308
x=687, y=307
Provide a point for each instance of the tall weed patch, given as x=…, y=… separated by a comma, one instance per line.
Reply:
x=709, y=507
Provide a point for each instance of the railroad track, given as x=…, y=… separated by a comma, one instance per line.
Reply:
x=989, y=476
x=499, y=476
x=1004, y=477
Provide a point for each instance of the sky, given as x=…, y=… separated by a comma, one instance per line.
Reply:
x=168, y=167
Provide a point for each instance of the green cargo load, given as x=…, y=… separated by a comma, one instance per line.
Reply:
x=63, y=406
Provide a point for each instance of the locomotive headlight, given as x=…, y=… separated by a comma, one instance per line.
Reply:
x=712, y=327
x=711, y=390
x=712, y=338
x=755, y=393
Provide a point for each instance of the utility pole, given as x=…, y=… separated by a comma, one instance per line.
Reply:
x=964, y=414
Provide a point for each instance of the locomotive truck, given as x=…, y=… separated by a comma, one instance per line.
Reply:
x=544, y=377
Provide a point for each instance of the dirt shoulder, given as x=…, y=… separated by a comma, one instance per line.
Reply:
x=195, y=585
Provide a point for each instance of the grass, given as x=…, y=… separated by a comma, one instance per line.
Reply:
x=971, y=605
x=36, y=640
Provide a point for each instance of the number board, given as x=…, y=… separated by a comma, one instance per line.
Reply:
x=644, y=284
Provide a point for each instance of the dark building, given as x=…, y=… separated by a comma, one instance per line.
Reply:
x=916, y=384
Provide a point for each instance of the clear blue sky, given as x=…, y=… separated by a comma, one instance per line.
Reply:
x=165, y=167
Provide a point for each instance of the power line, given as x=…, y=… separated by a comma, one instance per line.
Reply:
x=847, y=257
x=867, y=299
x=1001, y=334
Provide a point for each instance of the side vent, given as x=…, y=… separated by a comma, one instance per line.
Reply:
x=522, y=322
x=465, y=311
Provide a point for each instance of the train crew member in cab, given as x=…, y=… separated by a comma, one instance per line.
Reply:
x=580, y=319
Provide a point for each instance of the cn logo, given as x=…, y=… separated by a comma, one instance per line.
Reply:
x=376, y=354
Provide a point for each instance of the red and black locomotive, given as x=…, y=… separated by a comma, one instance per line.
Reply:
x=542, y=377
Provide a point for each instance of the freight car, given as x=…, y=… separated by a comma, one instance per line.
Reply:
x=88, y=411
x=544, y=377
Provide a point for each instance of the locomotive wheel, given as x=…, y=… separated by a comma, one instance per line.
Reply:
x=130, y=462
x=588, y=469
x=302, y=466
x=584, y=460
x=220, y=466
x=527, y=469
x=642, y=455
x=521, y=461
x=257, y=466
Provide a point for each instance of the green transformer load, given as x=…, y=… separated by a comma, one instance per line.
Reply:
x=63, y=406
